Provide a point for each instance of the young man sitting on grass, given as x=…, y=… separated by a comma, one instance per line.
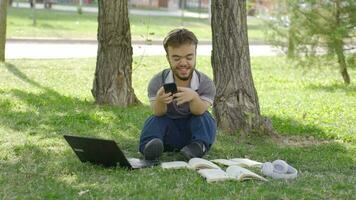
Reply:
x=180, y=121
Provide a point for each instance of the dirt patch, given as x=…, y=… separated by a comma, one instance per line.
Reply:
x=299, y=141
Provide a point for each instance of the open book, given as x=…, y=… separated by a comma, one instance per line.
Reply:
x=212, y=172
x=234, y=172
x=242, y=162
x=194, y=163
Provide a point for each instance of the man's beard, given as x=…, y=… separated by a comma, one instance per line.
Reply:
x=176, y=74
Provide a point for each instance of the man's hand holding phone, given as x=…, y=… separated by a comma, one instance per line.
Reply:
x=170, y=88
x=164, y=97
x=165, y=93
x=179, y=94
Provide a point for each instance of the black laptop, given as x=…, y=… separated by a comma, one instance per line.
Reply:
x=103, y=152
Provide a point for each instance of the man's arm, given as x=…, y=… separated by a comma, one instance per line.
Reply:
x=197, y=106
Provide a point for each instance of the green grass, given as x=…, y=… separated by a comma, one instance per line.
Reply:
x=42, y=100
x=60, y=24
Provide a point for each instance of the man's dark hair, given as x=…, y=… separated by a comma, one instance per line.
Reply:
x=179, y=36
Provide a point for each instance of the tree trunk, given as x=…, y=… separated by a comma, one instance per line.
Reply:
x=291, y=39
x=290, y=6
x=236, y=104
x=339, y=47
x=113, y=83
x=3, y=13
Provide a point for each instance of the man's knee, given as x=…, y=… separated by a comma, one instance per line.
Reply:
x=203, y=128
x=154, y=127
x=204, y=120
x=205, y=115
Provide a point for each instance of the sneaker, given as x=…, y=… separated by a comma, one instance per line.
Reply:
x=153, y=149
x=194, y=150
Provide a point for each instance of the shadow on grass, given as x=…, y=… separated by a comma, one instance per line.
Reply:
x=315, y=158
x=301, y=136
x=49, y=114
x=291, y=127
x=37, y=172
x=351, y=89
x=31, y=170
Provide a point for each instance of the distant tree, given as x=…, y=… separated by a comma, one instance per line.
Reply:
x=80, y=7
x=313, y=25
x=33, y=6
x=113, y=75
x=236, y=105
x=3, y=13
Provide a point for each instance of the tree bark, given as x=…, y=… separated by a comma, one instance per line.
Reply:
x=113, y=75
x=236, y=104
x=3, y=13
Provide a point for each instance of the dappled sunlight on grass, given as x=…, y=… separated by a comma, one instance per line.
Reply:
x=298, y=99
x=40, y=101
x=49, y=101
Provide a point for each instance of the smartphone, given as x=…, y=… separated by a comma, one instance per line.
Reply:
x=170, y=87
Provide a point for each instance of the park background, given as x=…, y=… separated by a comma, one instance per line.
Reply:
x=44, y=98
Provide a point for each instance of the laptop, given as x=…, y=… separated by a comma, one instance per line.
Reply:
x=103, y=152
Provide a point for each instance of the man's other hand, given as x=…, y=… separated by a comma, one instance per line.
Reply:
x=185, y=95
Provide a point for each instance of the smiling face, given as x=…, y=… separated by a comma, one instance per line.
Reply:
x=181, y=58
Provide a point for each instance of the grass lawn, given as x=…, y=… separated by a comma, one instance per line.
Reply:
x=61, y=24
x=40, y=100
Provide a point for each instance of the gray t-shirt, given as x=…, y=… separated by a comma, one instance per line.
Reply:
x=200, y=82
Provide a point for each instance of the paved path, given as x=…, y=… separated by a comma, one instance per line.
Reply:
x=84, y=49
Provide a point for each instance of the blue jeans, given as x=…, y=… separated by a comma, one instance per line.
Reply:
x=177, y=133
